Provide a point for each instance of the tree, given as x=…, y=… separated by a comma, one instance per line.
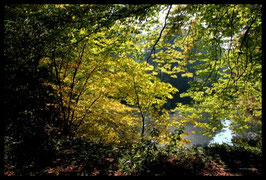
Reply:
x=88, y=62
x=95, y=76
x=47, y=70
x=96, y=72
x=226, y=40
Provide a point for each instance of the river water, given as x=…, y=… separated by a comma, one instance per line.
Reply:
x=224, y=136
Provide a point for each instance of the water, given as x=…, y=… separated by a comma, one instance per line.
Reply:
x=224, y=136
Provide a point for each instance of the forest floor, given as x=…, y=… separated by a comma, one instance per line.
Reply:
x=220, y=160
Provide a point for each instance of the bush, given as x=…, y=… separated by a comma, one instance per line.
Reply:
x=141, y=159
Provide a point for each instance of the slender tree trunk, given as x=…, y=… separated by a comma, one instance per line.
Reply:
x=140, y=109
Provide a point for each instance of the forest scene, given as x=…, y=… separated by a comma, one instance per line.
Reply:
x=132, y=90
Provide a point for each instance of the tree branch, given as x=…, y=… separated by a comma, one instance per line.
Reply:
x=160, y=35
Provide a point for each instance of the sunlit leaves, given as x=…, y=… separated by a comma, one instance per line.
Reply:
x=108, y=88
x=227, y=38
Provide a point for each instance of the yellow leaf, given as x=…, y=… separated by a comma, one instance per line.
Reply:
x=173, y=76
x=189, y=75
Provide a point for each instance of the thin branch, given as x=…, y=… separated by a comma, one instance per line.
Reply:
x=60, y=86
x=81, y=92
x=86, y=112
x=160, y=35
x=140, y=109
x=73, y=82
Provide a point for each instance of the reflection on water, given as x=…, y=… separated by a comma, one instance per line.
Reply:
x=196, y=139
x=224, y=136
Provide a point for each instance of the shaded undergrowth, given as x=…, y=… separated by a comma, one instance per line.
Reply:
x=77, y=157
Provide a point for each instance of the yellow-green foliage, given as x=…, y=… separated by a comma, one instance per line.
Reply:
x=111, y=93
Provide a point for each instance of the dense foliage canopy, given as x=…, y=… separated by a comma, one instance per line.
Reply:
x=106, y=73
